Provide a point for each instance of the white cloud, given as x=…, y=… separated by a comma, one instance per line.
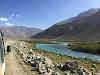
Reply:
x=3, y=19
x=15, y=15
x=9, y=24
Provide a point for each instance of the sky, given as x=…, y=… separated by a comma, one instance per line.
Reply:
x=41, y=13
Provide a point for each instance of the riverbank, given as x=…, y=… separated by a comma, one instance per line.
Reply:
x=57, y=58
x=39, y=41
x=87, y=47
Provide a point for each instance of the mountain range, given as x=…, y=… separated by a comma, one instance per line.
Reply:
x=84, y=26
x=19, y=31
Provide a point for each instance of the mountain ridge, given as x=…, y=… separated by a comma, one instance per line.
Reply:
x=19, y=31
x=81, y=28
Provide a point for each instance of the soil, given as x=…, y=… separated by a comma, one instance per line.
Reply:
x=13, y=66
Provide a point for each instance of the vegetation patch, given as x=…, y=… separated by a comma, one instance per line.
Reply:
x=39, y=41
x=87, y=47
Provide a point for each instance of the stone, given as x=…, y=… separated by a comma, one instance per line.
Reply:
x=93, y=65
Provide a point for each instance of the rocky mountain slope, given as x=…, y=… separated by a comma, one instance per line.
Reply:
x=19, y=31
x=85, y=26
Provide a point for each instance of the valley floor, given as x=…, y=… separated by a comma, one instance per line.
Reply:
x=16, y=66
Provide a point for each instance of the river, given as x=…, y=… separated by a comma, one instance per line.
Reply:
x=62, y=49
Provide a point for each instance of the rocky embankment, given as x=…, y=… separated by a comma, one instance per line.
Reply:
x=45, y=66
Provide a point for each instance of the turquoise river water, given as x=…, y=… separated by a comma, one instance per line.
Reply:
x=62, y=49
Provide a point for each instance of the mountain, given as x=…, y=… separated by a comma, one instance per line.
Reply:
x=85, y=26
x=19, y=31
x=80, y=16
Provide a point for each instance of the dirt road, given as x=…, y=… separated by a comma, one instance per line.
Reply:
x=13, y=67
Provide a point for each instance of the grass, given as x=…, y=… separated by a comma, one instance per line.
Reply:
x=61, y=59
x=88, y=47
x=39, y=41
x=71, y=41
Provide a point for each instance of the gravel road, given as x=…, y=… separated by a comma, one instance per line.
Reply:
x=13, y=66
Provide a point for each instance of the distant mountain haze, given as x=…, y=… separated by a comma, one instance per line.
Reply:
x=85, y=26
x=19, y=31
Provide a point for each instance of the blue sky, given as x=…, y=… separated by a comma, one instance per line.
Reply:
x=41, y=13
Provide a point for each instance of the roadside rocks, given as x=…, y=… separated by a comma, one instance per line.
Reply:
x=72, y=66
x=93, y=65
x=45, y=66
x=75, y=69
